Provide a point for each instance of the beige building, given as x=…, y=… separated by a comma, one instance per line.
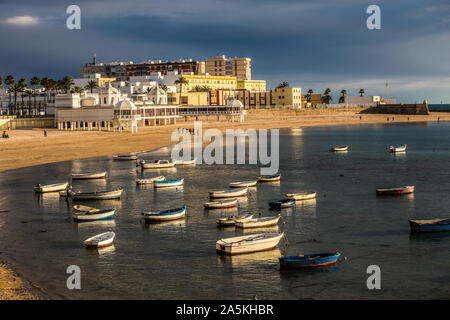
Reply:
x=213, y=82
x=279, y=98
x=236, y=67
x=252, y=85
x=189, y=98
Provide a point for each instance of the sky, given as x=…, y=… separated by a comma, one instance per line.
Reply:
x=312, y=44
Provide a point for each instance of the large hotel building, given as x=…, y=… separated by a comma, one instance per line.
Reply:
x=231, y=67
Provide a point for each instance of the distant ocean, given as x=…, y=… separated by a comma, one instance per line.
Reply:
x=439, y=107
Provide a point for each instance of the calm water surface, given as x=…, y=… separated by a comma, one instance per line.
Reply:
x=177, y=260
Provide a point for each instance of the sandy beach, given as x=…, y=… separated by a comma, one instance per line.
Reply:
x=29, y=147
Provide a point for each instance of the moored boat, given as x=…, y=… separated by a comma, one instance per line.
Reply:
x=248, y=243
x=395, y=191
x=165, y=215
x=258, y=222
x=184, y=162
x=82, y=208
x=230, y=221
x=157, y=164
x=269, y=178
x=309, y=260
x=51, y=187
x=283, y=203
x=169, y=183
x=125, y=156
x=83, y=176
x=150, y=180
x=231, y=193
x=101, y=240
x=397, y=149
x=301, y=195
x=99, y=195
x=94, y=216
x=240, y=184
x=339, y=149
x=430, y=225
x=221, y=204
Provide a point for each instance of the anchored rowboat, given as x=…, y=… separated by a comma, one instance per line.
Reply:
x=157, y=164
x=271, y=178
x=240, y=184
x=230, y=221
x=221, y=204
x=82, y=208
x=283, y=203
x=396, y=191
x=309, y=260
x=228, y=193
x=125, y=157
x=169, y=183
x=249, y=243
x=94, y=216
x=150, y=180
x=100, y=195
x=100, y=240
x=51, y=187
x=165, y=215
x=258, y=222
x=185, y=162
x=339, y=149
x=301, y=195
x=397, y=149
x=82, y=176
x=432, y=225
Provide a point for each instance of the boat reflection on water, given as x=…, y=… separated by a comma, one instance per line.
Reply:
x=160, y=172
x=240, y=231
x=174, y=225
x=94, y=225
x=221, y=212
x=239, y=260
x=49, y=200
x=109, y=250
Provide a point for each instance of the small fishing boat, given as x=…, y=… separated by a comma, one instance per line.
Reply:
x=94, y=216
x=101, y=240
x=431, y=225
x=230, y=221
x=165, y=215
x=309, y=260
x=157, y=164
x=125, y=157
x=82, y=208
x=184, y=162
x=283, y=203
x=339, y=149
x=231, y=193
x=83, y=176
x=258, y=222
x=150, y=180
x=270, y=178
x=51, y=187
x=240, y=184
x=249, y=243
x=221, y=204
x=99, y=195
x=169, y=183
x=395, y=191
x=397, y=149
x=301, y=195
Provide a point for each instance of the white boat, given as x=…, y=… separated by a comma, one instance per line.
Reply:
x=230, y=221
x=269, y=178
x=228, y=193
x=51, y=187
x=100, y=240
x=397, y=149
x=301, y=195
x=125, y=157
x=339, y=149
x=248, y=243
x=258, y=222
x=165, y=215
x=185, y=162
x=82, y=208
x=94, y=216
x=150, y=180
x=157, y=164
x=100, y=195
x=169, y=183
x=82, y=176
x=221, y=204
x=240, y=184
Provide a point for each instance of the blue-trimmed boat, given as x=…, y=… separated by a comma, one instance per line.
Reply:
x=165, y=215
x=95, y=216
x=433, y=225
x=169, y=183
x=283, y=203
x=309, y=260
x=269, y=178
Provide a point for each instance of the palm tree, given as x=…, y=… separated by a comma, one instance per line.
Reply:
x=77, y=90
x=34, y=82
x=65, y=83
x=361, y=92
x=23, y=87
x=342, y=98
x=29, y=93
x=327, y=98
x=181, y=81
x=283, y=84
x=92, y=84
x=9, y=81
x=308, y=95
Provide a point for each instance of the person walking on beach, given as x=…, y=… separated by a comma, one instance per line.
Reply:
x=45, y=133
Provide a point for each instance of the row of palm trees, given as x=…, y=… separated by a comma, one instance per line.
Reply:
x=326, y=98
